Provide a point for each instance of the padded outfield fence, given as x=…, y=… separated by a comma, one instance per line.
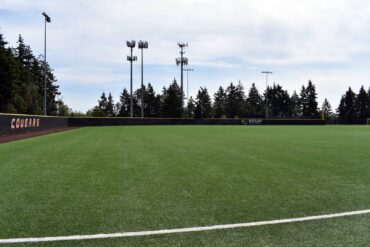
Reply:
x=81, y=122
x=16, y=124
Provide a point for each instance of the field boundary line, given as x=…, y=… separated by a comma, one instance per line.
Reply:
x=180, y=230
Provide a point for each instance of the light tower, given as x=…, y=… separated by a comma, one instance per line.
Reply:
x=47, y=20
x=142, y=45
x=267, y=73
x=182, y=61
x=131, y=58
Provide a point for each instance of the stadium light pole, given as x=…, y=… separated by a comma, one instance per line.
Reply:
x=267, y=73
x=187, y=85
x=142, y=45
x=182, y=61
x=131, y=44
x=47, y=20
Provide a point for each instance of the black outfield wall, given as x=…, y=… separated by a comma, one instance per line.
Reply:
x=80, y=122
x=17, y=124
x=348, y=122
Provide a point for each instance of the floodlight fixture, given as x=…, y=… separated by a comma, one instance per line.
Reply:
x=142, y=45
x=131, y=44
x=47, y=18
x=183, y=60
x=132, y=58
x=182, y=44
x=267, y=73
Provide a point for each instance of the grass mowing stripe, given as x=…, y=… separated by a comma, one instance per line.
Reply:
x=181, y=230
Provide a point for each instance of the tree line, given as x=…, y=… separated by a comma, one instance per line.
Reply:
x=234, y=102
x=354, y=106
x=22, y=81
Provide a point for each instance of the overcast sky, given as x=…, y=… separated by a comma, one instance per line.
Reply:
x=229, y=40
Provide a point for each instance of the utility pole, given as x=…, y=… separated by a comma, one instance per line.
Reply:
x=47, y=20
x=142, y=45
x=131, y=58
x=267, y=73
x=182, y=61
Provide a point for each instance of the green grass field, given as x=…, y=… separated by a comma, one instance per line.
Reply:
x=124, y=179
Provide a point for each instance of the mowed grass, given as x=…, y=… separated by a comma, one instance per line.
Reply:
x=138, y=178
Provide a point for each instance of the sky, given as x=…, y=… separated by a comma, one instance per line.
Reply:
x=327, y=42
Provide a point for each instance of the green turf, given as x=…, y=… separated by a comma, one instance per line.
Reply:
x=117, y=179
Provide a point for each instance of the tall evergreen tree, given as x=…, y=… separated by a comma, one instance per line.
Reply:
x=3, y=43
x=103, y=103
x=151, y=102
x=278, y=101
x=109, y=110
x=295, y=106
x=303, y=101
x=219, y=103
x=52, y=88
x=23, y=53
x=9, y=77
x=137, y=102
x=36, y=103
x=254, y=101
x=341, y=111
x=362, y=104
x=171, y=105
x=241, y=99
x=203, y=105
x=312, y=100
x=309, y=101
x=235, y=101
x=26, y=90
x=124, y=104
x=347, y=106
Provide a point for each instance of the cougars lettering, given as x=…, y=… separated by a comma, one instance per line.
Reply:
x=23, y=123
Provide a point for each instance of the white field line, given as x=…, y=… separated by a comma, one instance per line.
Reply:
x=180, y=230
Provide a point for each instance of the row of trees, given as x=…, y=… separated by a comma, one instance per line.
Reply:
x=355, y=106
x=233, y=102
x=166, y=105
x=22, y=81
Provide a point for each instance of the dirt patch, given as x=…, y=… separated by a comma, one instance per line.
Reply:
x=10, y=138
